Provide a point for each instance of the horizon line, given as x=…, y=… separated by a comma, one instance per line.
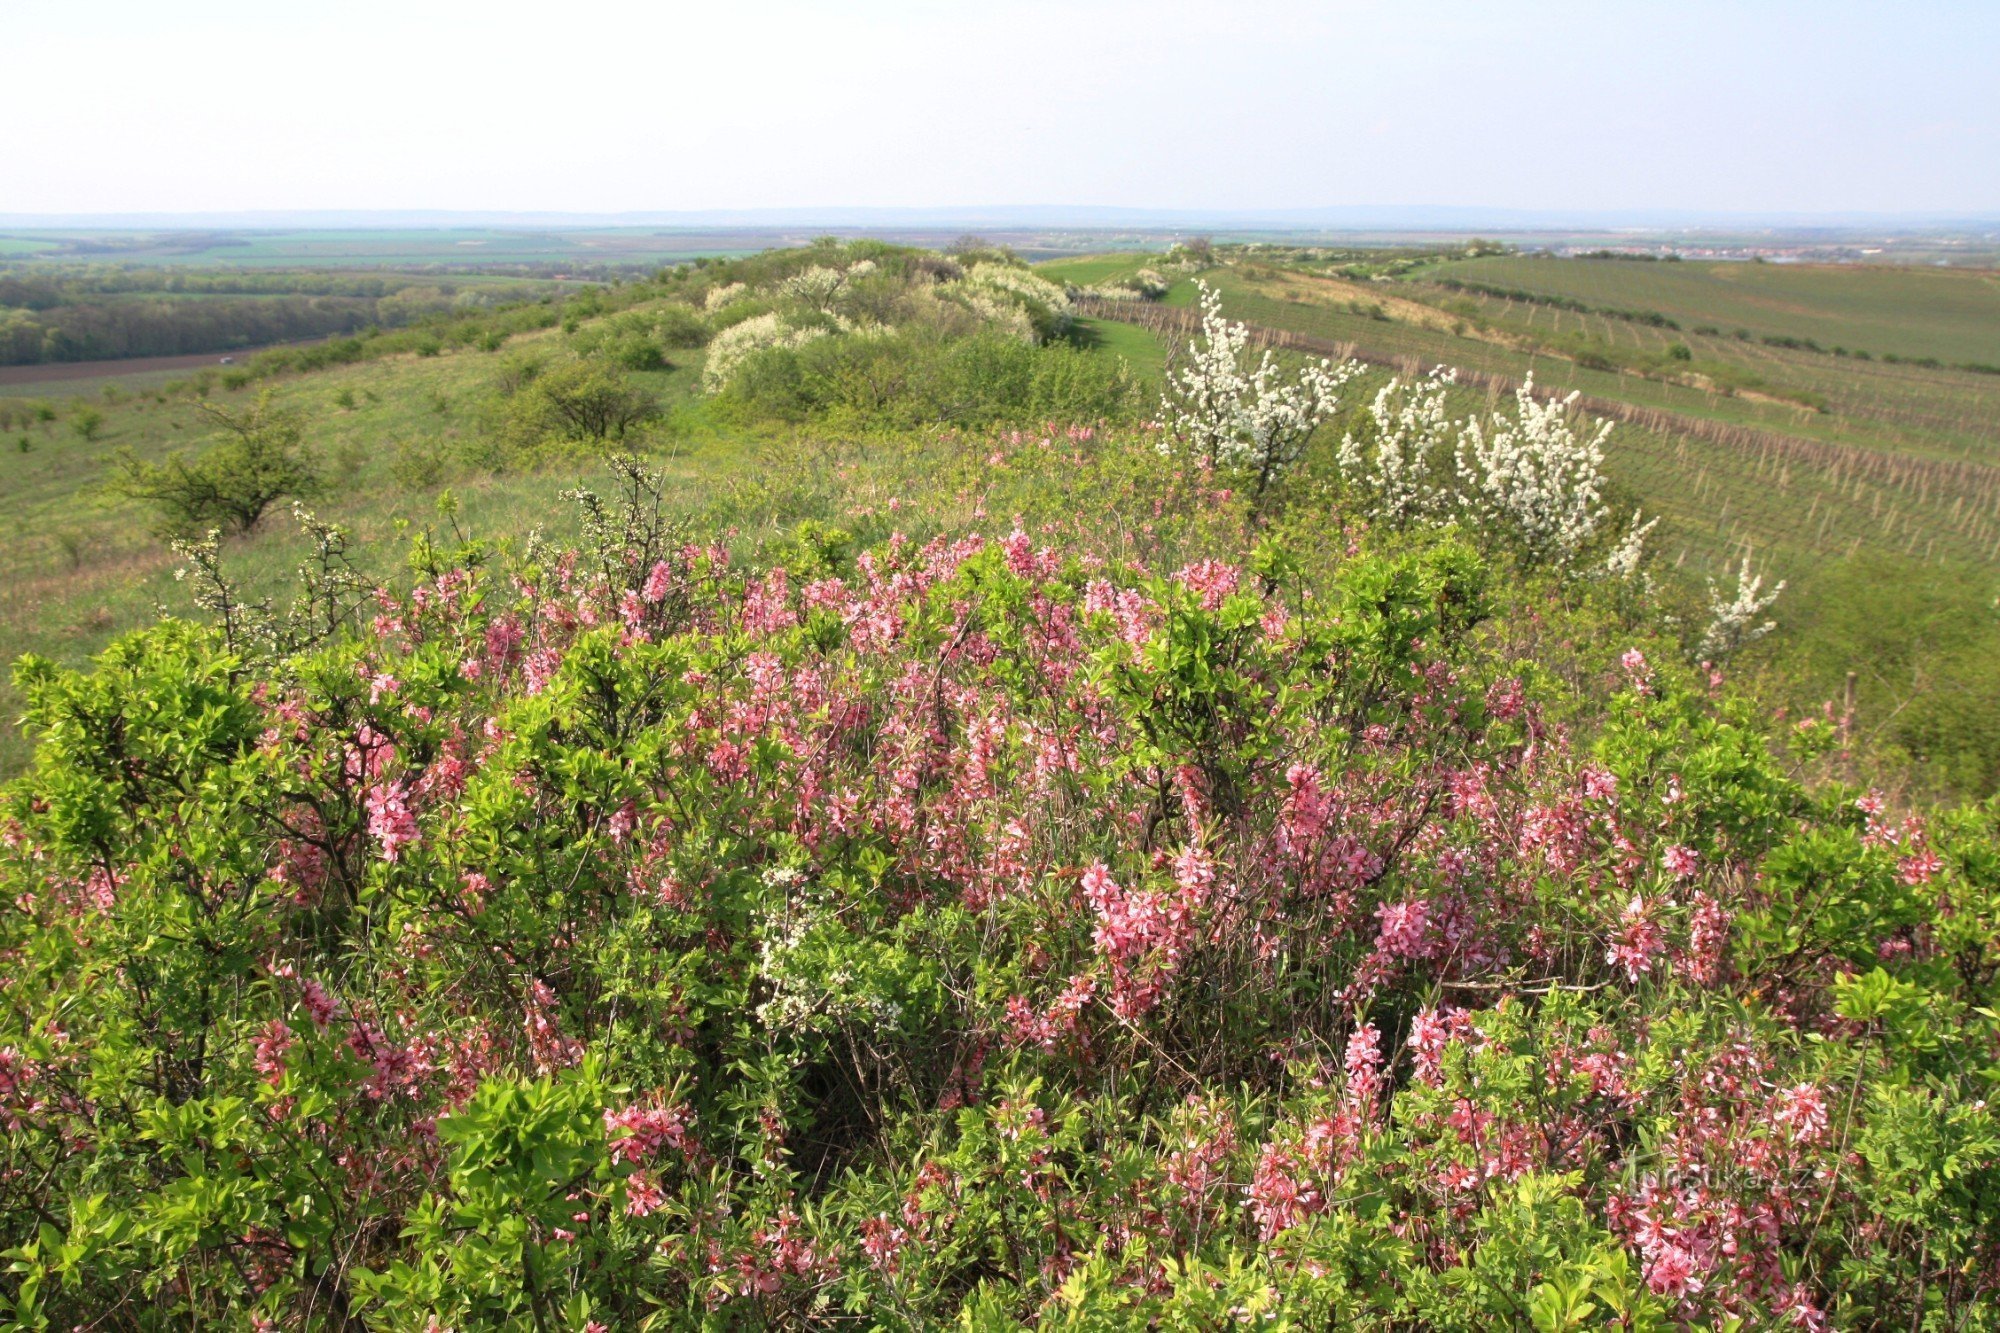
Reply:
x=1351, y=217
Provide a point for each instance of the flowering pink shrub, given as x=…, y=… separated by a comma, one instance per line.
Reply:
x=971, y=930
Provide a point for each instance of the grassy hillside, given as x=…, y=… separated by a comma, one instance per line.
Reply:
x=392, y=432
x=1859, y=545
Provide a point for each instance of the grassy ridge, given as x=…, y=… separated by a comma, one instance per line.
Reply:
x=84, y=568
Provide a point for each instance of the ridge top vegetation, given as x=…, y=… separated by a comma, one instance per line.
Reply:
x=966, y=814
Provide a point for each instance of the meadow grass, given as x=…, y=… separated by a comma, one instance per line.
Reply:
x=1090, y=270
x=1140, y=348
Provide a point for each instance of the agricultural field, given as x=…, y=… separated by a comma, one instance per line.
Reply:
x=1903, y=457
x=1951, y=314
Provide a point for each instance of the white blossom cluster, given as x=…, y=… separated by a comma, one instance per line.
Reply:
x=1223, y=412
x=1732, y=619
x=1623, y=562
x=990, y=289
x=719, y=297
x=998, y=314
x=728, y=349
x=1536, y=474
x=1530, y=473
x=805, y=997
x=1410, y=432
x=818, y=287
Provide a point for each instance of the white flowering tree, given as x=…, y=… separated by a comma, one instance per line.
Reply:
x=1408, y=431
x=1625, y=558
x=1732, y=618
x=1222, y=411
x=1535, y=475
x=1529, y=474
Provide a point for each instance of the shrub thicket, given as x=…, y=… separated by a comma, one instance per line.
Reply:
x=975, y=932
x=909, y=379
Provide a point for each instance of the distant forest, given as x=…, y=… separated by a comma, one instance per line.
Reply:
x=100, y=313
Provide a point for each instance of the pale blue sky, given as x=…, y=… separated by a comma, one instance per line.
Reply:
x=591, y=105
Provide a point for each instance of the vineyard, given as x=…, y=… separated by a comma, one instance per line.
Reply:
x=1725, y=486
x=1899, y=310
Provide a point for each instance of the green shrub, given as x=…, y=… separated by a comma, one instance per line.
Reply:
x=910, y=379
x=682, y=326
x=578, y=400
x=261, y=460
x=418, y=464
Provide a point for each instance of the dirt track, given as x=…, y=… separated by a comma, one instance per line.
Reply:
x=51, y=372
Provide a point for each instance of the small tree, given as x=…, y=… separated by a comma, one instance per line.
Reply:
x=86, y=421
x=1732, y=617
x=260, y=460
x=582, y=400
x=1224, y=412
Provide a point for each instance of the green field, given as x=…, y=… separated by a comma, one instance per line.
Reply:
x=1140, y=349
x=1090, y=270
x=1948, y=313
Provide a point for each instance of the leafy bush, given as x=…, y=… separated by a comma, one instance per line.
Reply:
x=682, y=326
x=86, y=421
x=584, y=400
x=978, y=933
x=905, y=379
x=262, y=459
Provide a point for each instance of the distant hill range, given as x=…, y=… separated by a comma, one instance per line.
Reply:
x=1366, y=218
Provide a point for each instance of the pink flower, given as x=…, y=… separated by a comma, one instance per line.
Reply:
x=1672, y=1273
x=321, y=1006
x=1801, y=1110
x=1919, y=867
x=1211, y=580
x=882, y=1241
x=1681, y=862
x=390, y=820
x=642, y=1196
x=640, y=1133
x=1405, y=929
x=269, y=1051
x=1639, y=941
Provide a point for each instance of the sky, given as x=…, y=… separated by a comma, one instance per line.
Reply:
x=1716, y=106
